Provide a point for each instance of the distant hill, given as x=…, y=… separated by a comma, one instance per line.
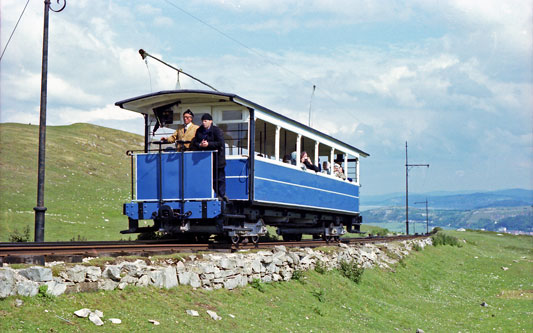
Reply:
x=492, y=219
x=457, y=201
x=87, y=180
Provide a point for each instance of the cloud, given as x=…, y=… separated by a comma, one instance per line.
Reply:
x=107, y=112
x=453, y=76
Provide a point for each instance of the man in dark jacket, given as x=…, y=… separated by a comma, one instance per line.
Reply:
x=210, y=137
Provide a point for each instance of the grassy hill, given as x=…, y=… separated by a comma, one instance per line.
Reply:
x=87, y=180
x=438, y=289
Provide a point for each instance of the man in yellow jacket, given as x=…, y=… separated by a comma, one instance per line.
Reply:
x=185, y=132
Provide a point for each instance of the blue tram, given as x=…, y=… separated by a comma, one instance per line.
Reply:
x=265, y=183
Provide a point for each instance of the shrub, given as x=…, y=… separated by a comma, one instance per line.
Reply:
x=20, y=237
x=320, y=295
x=268, y=237
x=417, y=247
x=43, y=295
x=318, y=311
x=298, y=276
x=441, y=238
x=435, y=230
x=352, y=271
x=320, y=267
x=79, y=239
x=381, y=232
x=257, y=284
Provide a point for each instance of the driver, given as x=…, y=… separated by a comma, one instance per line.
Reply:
x=185, y=132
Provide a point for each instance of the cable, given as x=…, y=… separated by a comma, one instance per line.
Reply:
x=15, y=28
x=149, y=74
x=325, y=92
x=236, y=41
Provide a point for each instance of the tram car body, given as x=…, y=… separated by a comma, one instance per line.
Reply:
x=264, y=186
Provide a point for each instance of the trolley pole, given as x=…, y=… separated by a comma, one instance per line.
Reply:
x=40, y=208
x=407, y=166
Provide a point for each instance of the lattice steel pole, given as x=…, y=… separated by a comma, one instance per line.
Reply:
x=407, y=165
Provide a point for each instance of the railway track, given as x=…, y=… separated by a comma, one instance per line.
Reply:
x=39, y=253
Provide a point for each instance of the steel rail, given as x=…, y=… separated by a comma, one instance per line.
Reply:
x=13, y=252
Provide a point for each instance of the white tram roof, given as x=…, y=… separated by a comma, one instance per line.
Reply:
x=146, y=103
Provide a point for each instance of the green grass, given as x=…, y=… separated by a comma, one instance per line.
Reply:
x=87, y=180
x=439, y=289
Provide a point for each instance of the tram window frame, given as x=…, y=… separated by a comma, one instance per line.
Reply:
x=351, y=169
x=324, y=155
x=309, y=146
x=265, y=139
x=287, y=145
x=235, y=137
x=235, y=130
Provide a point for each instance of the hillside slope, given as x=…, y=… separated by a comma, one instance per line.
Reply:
x=87, y=180
x=438, y=289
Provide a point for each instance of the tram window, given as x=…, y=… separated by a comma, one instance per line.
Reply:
x=324, y=158
x=265, y=138
x=339, y=159
x=229, y=115
x=308, y=145
x=287, y=143
x=351, y=171
x=236, y=138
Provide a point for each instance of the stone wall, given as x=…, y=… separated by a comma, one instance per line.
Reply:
x=208, y=271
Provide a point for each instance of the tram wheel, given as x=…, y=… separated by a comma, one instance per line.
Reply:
x=235, y=239
x=254, y=239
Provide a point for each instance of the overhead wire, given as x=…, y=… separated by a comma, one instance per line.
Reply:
x=15, y=28
x=257, y=53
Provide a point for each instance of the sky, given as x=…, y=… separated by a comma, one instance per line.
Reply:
x=452, y=78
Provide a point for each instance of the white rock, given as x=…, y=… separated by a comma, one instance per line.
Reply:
x=55, y=288
x=99, y=313
x=155, y=322
x=213, y=315
x=227, y=263
x=505, y=268
x=82, y=313
x=184, y=277
x=93, y=317
x=27, y=288
x=195, y=281
x=280, y=248
x=206, y=267
x=143, y=281
x=115, y=320
x=37, y=274
x=231, y=283
x=7, y=282
x=156, y=278
x=193, y=313
x=107, y=284
x=128, y=279
x=232, y=316
x=93, y=273
x=170, y=279
x=180, y=267
x=76, y=273
x=112, y=272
